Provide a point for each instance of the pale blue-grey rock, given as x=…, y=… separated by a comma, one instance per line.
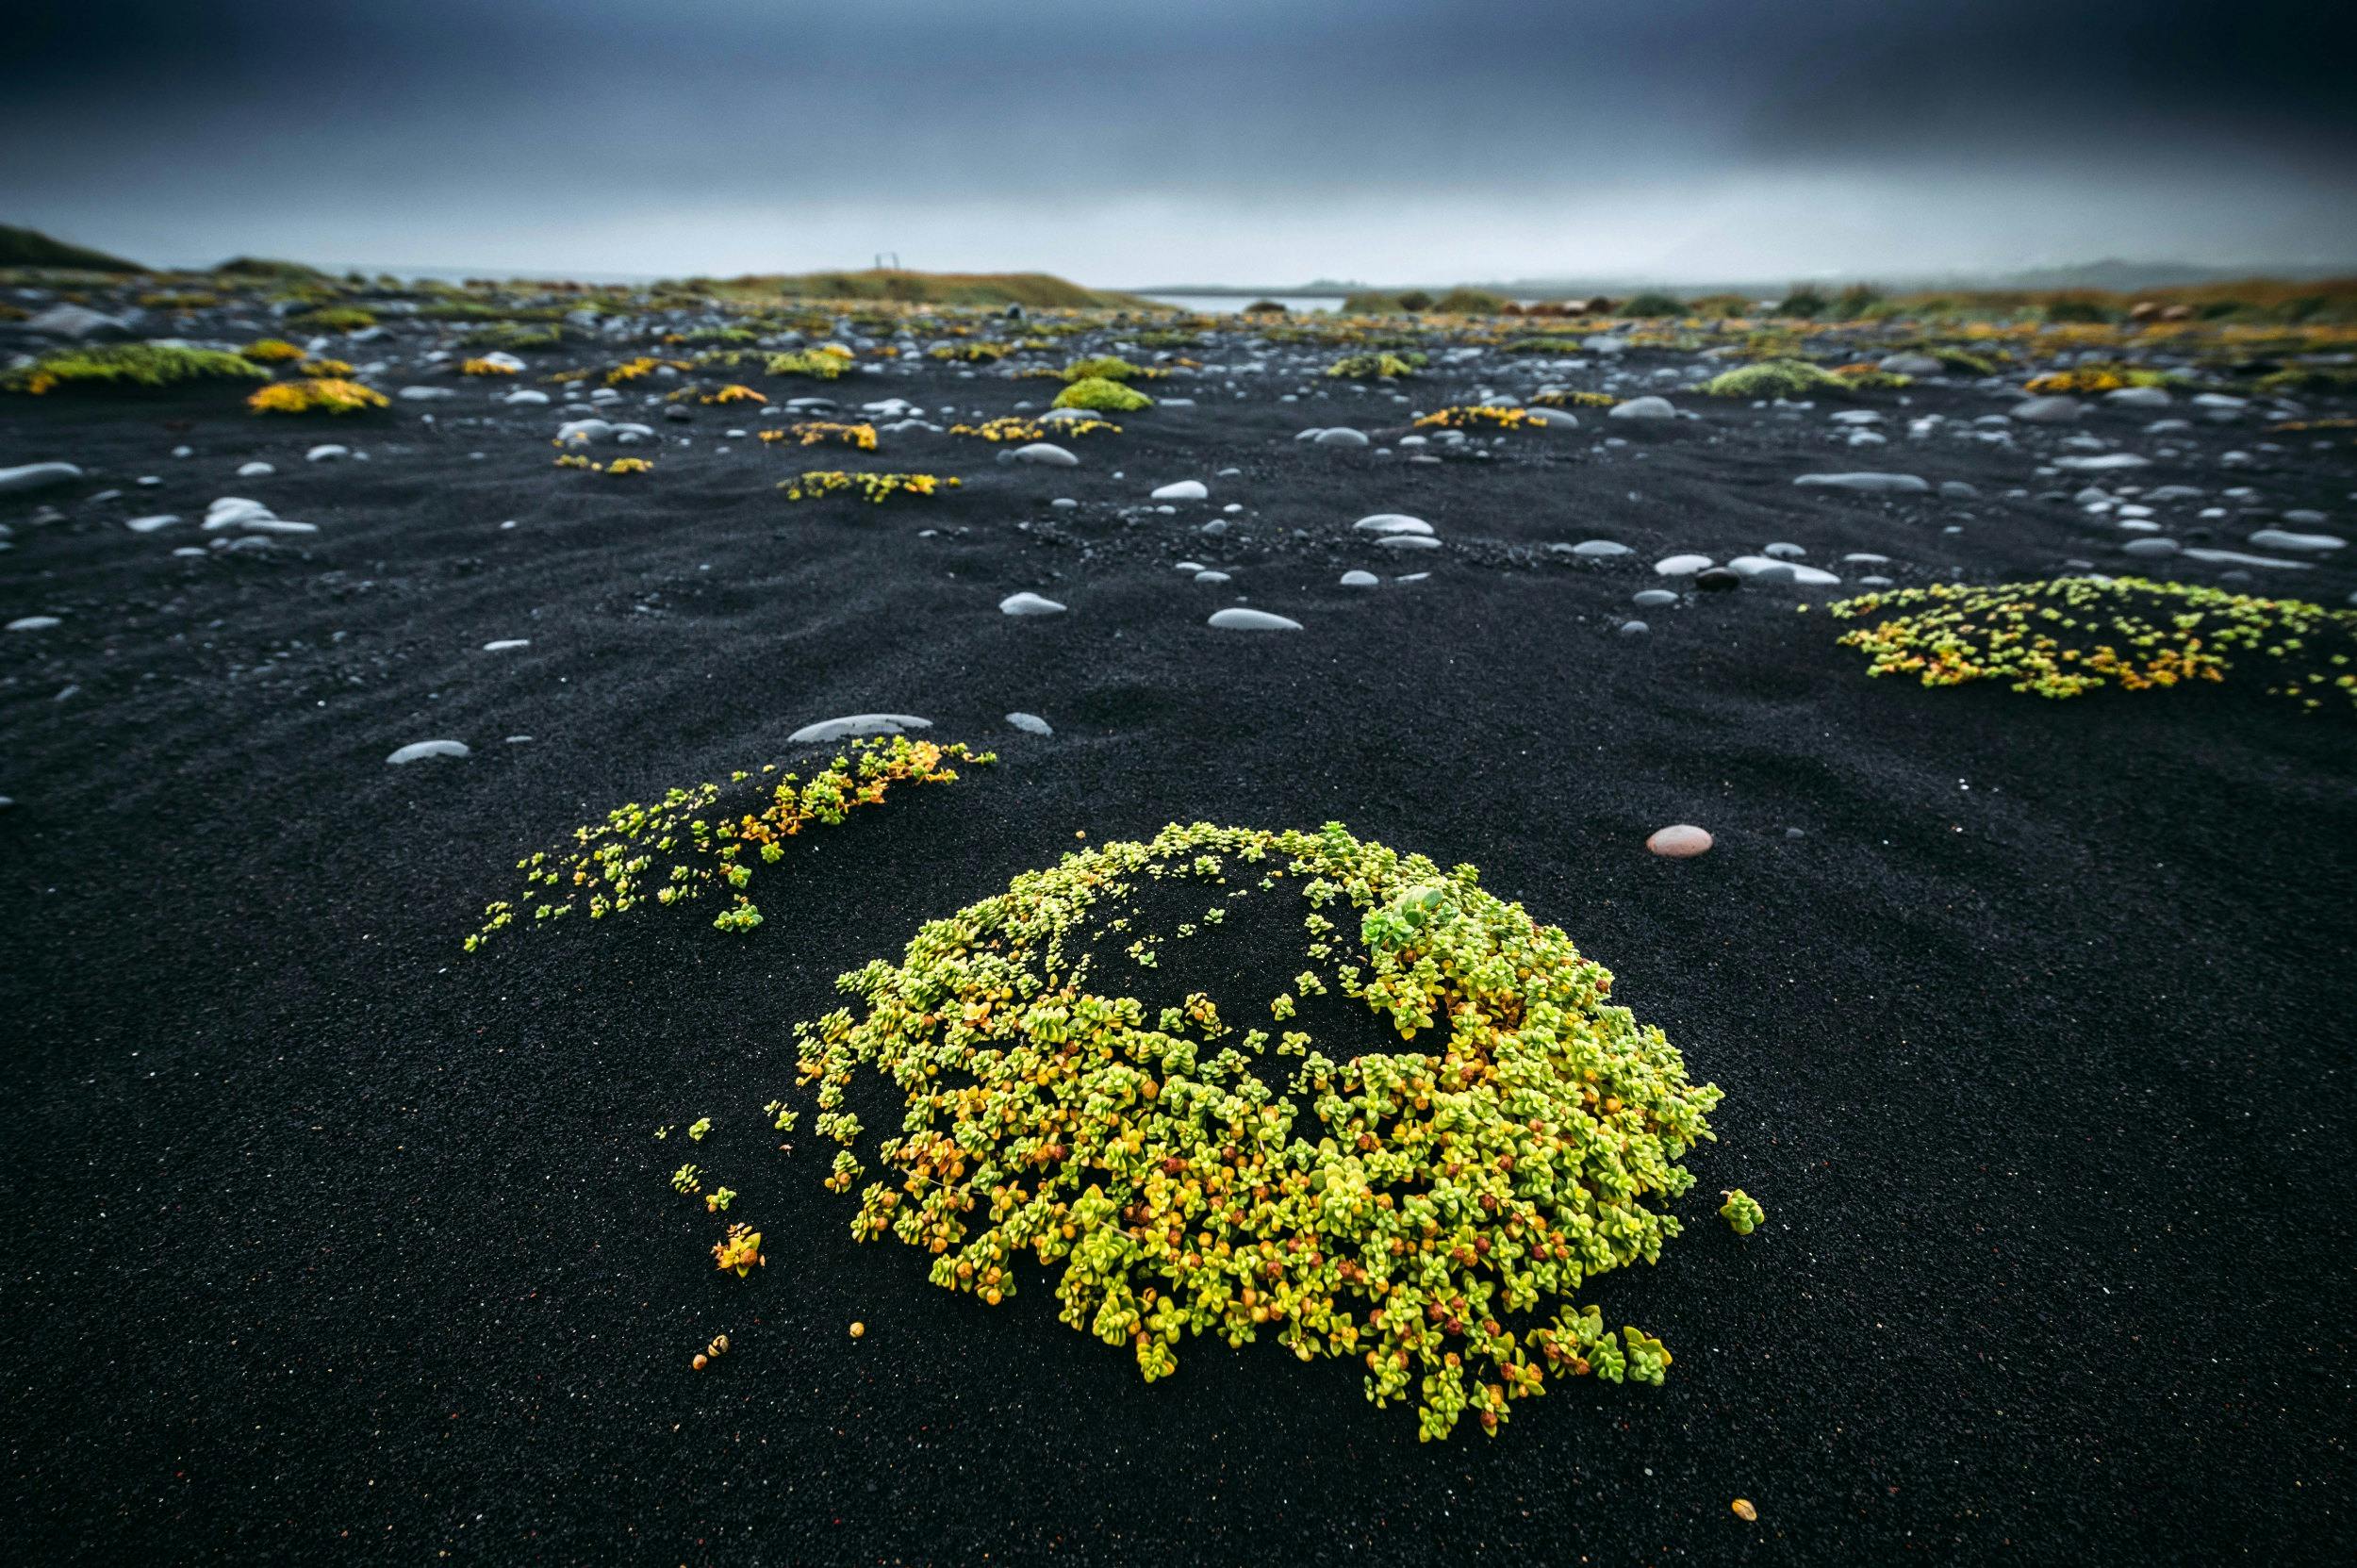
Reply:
x=1682, y=565
x=1046, y=452
x=1360, y=580
x=1028, y=603
x=1185, y=489
x=2110, y=462
x=420, y=749
x=1342, y=435
x=2277, y=538
x=1868, y=484
x=36, y=476
x=1235, y=619
x=1642, y=410
x=1392, y=522
x=2048, y=410
x=1030, y=723
x=858, y=724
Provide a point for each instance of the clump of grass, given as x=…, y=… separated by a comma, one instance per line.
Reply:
x=1374, y=367
x=316, y=395
x=875, y=489
x=1652, y=305
x=1475, y=415
x=1015, y=427
x=819, y=364
x=970, y=353
x=1867, y=376
x=1576, y=399
x=1103, y=396
x=1774, y=378
x=270, y=351
x=1401, y=1207
x=674, y=852
x=118, y=367
x=2070, y=636
x=819, y=432
x=515, y=336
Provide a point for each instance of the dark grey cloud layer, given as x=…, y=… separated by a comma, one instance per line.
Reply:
x=1128, y=140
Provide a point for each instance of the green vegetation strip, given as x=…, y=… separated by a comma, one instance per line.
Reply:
x=1430, y=1212
x=2069, y=635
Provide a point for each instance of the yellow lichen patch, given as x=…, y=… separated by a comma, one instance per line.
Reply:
x=819, y=432
x=486, y=367
x=873, y=487
x=618, y=467
x=333, y=370
x=734, y=393
x=1475, y=415
x=321, y=395
x=1015, y=427
x=271, y=351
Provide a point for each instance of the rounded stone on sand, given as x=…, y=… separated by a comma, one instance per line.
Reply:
x=1679, y=841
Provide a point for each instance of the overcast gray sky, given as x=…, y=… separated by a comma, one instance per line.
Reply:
x=1189, y=141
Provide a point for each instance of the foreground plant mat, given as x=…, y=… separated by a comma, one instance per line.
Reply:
x=2069, y=635
x=1429, y=1205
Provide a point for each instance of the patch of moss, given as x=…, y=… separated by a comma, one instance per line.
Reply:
x=1774, y=378
x=319, y=395
x=116, y=367
x=1375, y=367
x=1102, y=396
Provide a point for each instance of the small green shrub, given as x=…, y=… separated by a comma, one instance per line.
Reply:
x=1107, y=367
x=1806, y=304
x=2076, y=311
x=1102, y=396
x=1654, y=304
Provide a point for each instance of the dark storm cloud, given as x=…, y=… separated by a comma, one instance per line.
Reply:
x=483, y=122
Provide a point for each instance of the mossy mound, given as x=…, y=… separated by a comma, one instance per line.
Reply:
x=128, y=366
x=1374, y=367
x=21, y=247
x=1489, y=1135
x=1776, y=378
x=1106, y=397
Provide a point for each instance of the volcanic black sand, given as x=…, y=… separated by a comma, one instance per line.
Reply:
x=326, y=1241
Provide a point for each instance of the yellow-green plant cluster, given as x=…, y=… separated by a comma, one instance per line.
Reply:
x=681, y=847
x=1774, y=378
x=2094, y=380
x=1015, y=427
x=1102, y=396
x=1107, y=367
x=875, y=489
x=818, y=432
x=619, y=466
x=1430, y=1211
x=270, y=351
x=1475, y=415
x=316, y=395
x=823, y=364
x=2069, y=635
x=127, y=365
x=1574, y=400
x=1375, y=367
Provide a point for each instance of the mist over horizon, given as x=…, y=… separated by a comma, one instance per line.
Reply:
x=1398, y=142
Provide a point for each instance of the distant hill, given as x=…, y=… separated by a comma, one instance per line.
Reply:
x=1037, y=290
x=32, y=248
x=263, y=267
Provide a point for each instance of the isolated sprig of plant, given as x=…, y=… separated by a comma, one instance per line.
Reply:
x=673, y=851
x=2069, y=635
x=1431, y=1212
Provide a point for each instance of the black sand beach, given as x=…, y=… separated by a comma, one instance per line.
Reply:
x=327, y=1242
